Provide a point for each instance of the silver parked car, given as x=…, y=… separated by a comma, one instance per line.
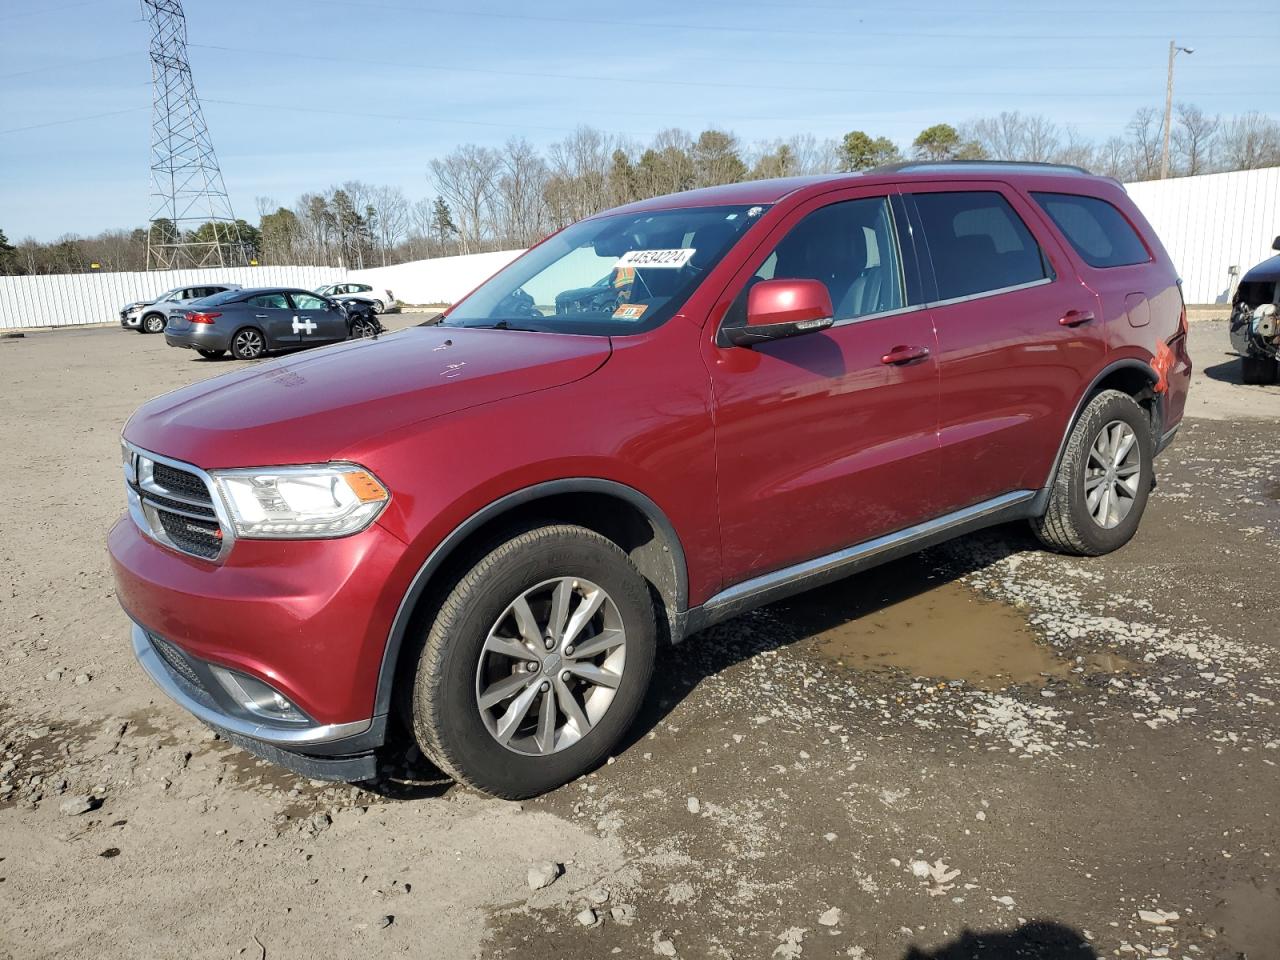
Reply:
x=252, y=323
x=150, y=316
x=382, y=300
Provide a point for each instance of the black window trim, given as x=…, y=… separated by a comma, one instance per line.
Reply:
x=926, y=254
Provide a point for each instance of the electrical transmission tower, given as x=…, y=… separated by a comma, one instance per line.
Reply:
x=191, y=220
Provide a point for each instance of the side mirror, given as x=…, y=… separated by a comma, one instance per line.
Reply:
x=777, y=309
x=1275, y=244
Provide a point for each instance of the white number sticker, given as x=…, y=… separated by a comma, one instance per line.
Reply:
x=668, y=259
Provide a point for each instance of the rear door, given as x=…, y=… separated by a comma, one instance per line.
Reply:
x=316, y=321
x=822, y=440
x=274, y=314
x=1018, y=332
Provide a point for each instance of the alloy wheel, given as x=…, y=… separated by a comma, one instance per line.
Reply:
x=550, y=666
x=248, y=344
x=1112, y=473
x=154, y=324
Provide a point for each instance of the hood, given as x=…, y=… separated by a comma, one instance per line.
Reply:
x=1266, y=270
x=311, y=407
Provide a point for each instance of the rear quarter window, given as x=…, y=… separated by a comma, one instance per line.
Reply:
x=1096, y=229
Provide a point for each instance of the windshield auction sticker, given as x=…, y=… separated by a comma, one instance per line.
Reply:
x=669, y=259
x=630, y=311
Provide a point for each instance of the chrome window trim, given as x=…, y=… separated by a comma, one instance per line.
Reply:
x=991, y=293
x=286, y=737
x=914, y=308
x=143, y=514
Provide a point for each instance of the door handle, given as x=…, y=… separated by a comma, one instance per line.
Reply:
x=1074, y=318
x=261, y=316
x=903, y=355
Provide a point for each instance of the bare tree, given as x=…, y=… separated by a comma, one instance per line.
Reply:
x=1014, y=136
x=1194, y=139
x=392, y=221
x=466, y=179
x=519, y=211
x=814, y=156
x=1250, y=141
x=580, y=166
x=1146, y=132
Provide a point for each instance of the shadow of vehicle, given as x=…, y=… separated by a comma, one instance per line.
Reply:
x=1229, y=371
x=1034, y=940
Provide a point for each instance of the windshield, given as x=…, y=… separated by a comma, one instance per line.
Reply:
x=610, y=276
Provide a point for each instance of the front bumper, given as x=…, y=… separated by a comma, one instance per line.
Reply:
x=131, y=321
x=334, y=751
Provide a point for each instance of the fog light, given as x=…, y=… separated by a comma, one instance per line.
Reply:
x=257, y=697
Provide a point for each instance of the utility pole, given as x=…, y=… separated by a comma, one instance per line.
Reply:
x=1174, y=50
x=187, y=191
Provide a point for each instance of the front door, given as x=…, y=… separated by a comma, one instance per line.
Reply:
x=828, y=439
x=274, y=314
x=317, y=321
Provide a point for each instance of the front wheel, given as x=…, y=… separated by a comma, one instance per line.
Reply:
x=536, y=663
x=1101, y=487
x=248, y=344
x=152, y=323
x=364, y=329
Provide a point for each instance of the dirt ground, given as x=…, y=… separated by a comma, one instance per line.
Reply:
x=986, y=751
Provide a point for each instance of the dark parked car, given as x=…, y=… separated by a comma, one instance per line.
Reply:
x=1255, y=321
x=484, y=532
x=252, y=323
x=150, y=316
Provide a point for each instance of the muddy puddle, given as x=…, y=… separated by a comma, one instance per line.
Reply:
x=905, y=617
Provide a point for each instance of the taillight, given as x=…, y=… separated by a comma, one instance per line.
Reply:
x=390, y=295
x=195, y=317
x=1182, y=324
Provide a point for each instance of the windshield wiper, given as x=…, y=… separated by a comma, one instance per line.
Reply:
x=500, y=325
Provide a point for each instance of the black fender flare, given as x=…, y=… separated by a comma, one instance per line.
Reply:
x=435, y=560
x=1040, y=503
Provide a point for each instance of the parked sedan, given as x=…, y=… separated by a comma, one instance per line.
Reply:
x=380, y=299
x=150, y=316
x=252, y=323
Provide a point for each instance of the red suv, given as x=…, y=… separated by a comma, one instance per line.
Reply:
x=658, y=418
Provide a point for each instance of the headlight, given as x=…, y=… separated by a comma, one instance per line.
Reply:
x=301, y=503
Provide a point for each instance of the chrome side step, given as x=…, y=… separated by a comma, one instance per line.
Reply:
x=768, y=587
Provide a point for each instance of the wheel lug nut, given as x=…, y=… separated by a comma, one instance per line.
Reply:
x=568, y=650
x=545, y=686
x=565, y=676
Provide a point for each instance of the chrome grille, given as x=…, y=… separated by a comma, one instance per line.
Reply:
x=174, y=504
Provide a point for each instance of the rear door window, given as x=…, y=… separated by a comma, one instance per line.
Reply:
x=978, y=243
x=269, y=301
x=1098, y=231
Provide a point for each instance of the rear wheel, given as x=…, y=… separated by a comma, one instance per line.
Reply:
x=210, y=354
x=536, y=663
x=1259, y=370
x=248, y=344
x=152, y=323
x=1102, y=483
x=378, y=306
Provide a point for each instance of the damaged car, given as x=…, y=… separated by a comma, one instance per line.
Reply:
x=1255, y=321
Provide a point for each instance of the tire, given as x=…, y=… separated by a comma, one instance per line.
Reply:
x=1259, y=371
x=211, y=354
x=248, y=343
x=1105, y=518
x=363, y=329
x=457, y=663
x=378, y=306
x=152, y=323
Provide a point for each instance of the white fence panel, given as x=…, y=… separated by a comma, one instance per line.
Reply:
x=1212, y=223
x=60, y=300
x=442, y=280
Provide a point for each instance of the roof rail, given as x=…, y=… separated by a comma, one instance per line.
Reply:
x=911, y=166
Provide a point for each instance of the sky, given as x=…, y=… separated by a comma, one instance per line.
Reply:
x=302, y=94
